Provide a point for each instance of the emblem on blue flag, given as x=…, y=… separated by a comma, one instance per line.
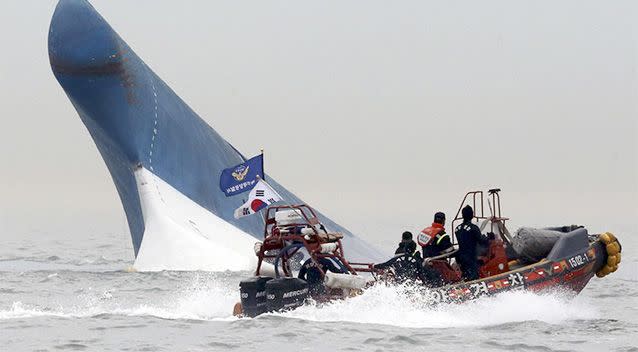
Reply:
x=243, y=177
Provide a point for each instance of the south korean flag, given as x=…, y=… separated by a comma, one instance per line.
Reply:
x=261, y=196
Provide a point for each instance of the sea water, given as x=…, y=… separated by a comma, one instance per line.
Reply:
x=57, y=294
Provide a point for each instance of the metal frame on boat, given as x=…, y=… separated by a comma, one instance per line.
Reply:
x=282, y=243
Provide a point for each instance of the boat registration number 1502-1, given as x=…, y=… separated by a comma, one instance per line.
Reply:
x=578, y=260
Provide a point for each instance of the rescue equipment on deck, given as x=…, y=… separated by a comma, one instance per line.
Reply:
x=532, y=244
x=334, y=280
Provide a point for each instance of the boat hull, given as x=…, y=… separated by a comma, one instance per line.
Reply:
x=567, y=275
x=570, y=274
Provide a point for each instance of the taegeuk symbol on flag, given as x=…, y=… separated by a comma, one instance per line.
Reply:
x=261, y=196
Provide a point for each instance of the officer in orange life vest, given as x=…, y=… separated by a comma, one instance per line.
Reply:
x=433, y=240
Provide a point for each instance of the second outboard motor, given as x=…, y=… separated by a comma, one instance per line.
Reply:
x=253, y=295
x=286, y=293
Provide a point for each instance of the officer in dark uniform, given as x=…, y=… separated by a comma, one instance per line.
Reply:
x=407, y=264
x=406, y=261
x=310, y=272
x=469, y=237
x=407, y=244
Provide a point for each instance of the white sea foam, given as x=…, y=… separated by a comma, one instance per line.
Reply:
x=19, y=310
x=205, y=298
x=399, y=306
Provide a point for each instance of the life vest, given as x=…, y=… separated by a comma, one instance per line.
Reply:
x=431, y=235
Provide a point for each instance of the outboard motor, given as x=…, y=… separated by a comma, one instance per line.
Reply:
x=253, y=295
x=285, y=293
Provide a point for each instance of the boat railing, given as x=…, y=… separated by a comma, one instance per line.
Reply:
x=447, y=254
x=476, y=200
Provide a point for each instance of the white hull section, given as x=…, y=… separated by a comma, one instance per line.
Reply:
x=181, y=235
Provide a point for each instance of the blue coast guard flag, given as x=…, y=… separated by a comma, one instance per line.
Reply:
x=243, y=177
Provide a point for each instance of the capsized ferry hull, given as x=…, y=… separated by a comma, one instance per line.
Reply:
x=164, y=159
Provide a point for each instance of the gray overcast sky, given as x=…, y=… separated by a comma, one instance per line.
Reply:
x=378, y=113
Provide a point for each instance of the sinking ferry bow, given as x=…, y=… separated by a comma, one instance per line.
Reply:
x=164, y=159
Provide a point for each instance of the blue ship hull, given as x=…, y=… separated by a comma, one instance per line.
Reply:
x=138, y=122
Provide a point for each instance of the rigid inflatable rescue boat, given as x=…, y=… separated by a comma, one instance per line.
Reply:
x=532, y=259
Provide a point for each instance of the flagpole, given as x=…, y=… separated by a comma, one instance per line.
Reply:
x=262, y=165
x=261, y=215
x=263, y=178
x=285, y=201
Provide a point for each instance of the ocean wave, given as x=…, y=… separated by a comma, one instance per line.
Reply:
x=201, y=299
x=55, y=263
x=54, y=259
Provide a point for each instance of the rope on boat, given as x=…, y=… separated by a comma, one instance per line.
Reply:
x=613, y=249
x=281, y=253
